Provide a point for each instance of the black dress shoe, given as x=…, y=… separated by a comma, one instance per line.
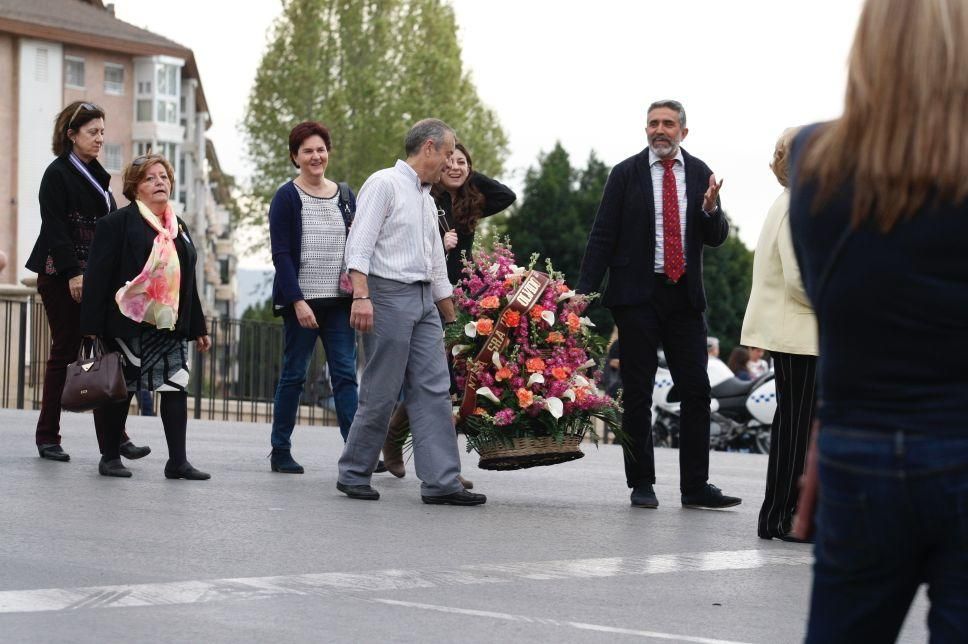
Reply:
x=132, y=452
x=709, y=497
x=462, y=497
x=380, y=467
x=185, y=471
x=53, y=452
x=791, y=539
x=362, y=492
x=281, y=460
x=643, y=496
x=113, y=467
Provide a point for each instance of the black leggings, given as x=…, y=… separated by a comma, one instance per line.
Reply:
x=174, y=418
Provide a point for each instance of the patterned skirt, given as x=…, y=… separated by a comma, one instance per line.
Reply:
x=156, y=360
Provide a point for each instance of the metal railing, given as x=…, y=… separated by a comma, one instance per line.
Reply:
x=234, y=381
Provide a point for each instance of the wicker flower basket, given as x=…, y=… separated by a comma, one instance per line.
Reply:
x=528, y=452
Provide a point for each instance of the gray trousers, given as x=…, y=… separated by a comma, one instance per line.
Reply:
x=404, y=349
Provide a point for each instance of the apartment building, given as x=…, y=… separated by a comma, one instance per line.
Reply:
x=53, y=52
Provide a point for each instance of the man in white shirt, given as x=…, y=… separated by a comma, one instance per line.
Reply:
x=399, y=274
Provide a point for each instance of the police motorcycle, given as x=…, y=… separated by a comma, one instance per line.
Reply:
x=741, y=411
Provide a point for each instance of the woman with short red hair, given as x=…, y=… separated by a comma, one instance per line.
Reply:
x=309, y=219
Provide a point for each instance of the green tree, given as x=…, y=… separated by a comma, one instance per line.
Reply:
x=555, y=214
x=261, y=312
x=368, y=69
x=727, y=275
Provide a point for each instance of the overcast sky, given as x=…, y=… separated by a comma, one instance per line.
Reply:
x=584, y=72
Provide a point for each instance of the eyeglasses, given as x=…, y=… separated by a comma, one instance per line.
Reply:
x=90, y=107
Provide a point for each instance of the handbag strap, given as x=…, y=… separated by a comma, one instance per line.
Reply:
x=97, y=349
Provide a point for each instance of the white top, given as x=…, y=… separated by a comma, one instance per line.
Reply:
x=779, y=317
x=394, y=234
x=321, y=251
x=658, y=171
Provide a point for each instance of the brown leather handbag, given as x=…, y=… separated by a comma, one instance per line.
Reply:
x=95, y=379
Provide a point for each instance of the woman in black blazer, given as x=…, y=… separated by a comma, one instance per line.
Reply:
x=140, y=298
x=74, y=193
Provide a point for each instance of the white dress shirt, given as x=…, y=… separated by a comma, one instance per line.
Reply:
x=394, y=234
x=679, y=172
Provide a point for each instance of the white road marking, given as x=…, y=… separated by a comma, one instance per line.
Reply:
x=554, y=622
x=241, y=589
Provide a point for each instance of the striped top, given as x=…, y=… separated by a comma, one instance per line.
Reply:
x=323, y=243
x=394, y=234
x=679, y=171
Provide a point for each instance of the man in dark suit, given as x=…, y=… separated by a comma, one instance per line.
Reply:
x=658, y=210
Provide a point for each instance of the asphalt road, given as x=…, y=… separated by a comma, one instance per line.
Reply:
x=556, y=554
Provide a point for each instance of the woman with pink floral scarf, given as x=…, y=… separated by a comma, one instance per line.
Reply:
x=140, y=298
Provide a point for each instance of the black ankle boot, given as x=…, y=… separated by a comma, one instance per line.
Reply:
x=281, y=460
x=113, y=467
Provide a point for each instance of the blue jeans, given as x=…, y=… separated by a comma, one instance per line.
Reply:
x=339, y=343
x=893, y=514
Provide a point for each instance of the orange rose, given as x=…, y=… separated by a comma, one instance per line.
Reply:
x=479, y=411
x=560, y=373
x=535, y=365
x=503, y=374
x=536, y=312
x=512, y=318
x=581, y=393
x=508, y=284
x=525, y=398
x=563, y=288
x=573, y=323
x=485, y=326
x=555, y=337
x=490, y=302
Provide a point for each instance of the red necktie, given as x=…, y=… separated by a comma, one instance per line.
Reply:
x=675, y=263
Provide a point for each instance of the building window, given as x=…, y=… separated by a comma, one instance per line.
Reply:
x=74, y=72
x=167, y=112
x=144, y=110
x=144, y=87
x=167, y=80
x=112, y=158
x=114, y=79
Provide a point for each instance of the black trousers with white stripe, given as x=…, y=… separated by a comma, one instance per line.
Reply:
x=796, y=377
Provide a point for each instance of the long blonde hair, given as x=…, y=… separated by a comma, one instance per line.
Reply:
x=902, y=138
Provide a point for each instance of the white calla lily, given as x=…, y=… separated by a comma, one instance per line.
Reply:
x=569, y=394
x=567, y=295
x=536, y=377
x=470, y=330
x=517, y=271
x=549, y=317
x=581, y=381
x=555, y=407
x=459, y=349
x=487, y=393
x=496, y=360
x=588, y=364
x=586, y=322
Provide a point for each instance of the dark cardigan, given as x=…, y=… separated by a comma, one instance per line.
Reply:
x=285, y=236
x=122, y=243
x=69, y=208
x=497, y=197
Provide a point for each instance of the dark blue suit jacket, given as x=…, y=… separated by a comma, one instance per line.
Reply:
x=622, y=239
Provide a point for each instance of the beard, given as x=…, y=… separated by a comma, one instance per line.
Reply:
x=664, y=148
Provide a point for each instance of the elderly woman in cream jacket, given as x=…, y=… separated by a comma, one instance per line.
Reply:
x=779, y=318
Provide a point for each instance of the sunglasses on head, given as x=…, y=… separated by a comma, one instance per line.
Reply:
x=90, y=107
x=143, y=158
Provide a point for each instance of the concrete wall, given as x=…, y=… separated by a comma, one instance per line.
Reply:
x=8, y=160
x=40, y=97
